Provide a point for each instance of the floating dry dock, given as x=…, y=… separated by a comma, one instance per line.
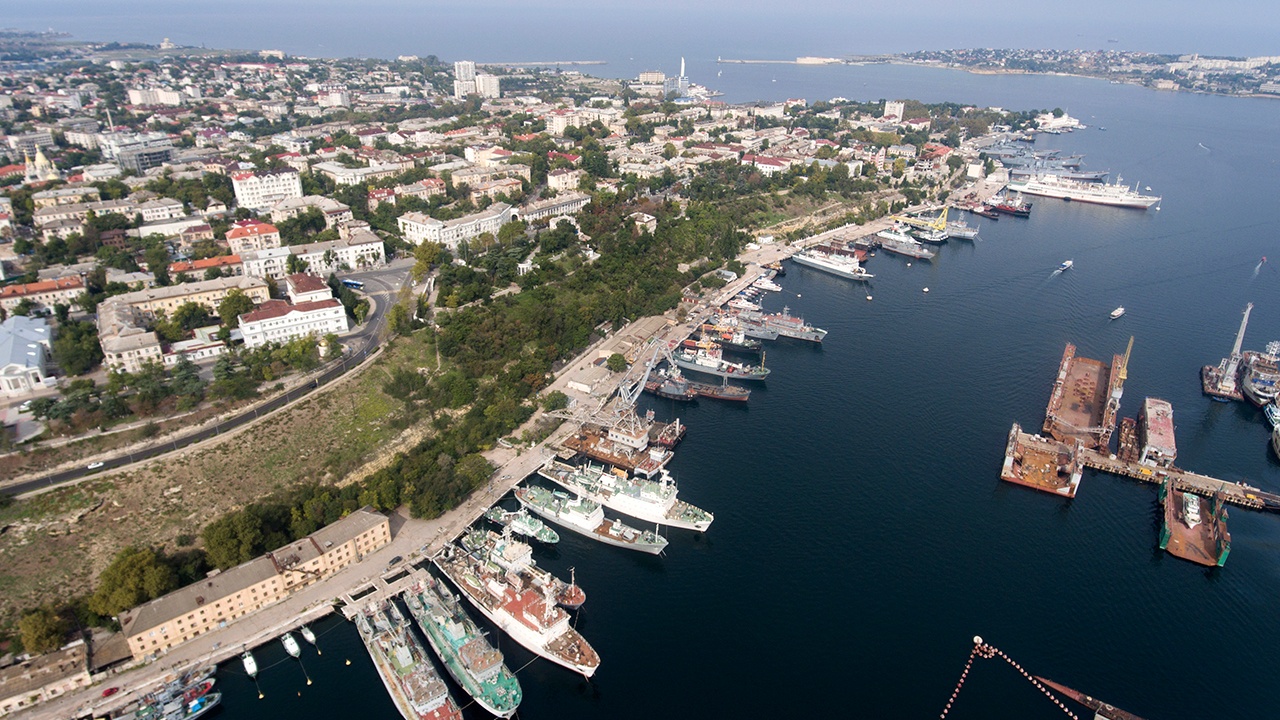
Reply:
x=1041, y=463
x=1193, y=529
x=1086, y=399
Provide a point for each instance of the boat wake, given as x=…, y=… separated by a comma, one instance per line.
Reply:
x=1258, y=268
x=1206, y=147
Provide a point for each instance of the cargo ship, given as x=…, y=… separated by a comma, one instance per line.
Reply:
x=523, y=524
x=1113, y=194
x=839, y=265
x=786, y=325
x=725, y=391
x=900, y=244
x=587, y=518
x=471, y=661
x=517, y=557
x=671, y=385
x=712, y=362
x=402, y=663
x=524, y=610
x=653, y=501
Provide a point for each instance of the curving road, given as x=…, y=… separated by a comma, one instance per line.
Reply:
x=383, y=284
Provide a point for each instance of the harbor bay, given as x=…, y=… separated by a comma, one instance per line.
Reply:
x=860, y=522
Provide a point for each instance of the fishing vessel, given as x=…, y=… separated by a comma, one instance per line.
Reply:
x=1262, y=375
x=517, y=557
x=250, y=664
x=653, y=501
x=712, y=362
x=406, y=671
x=467, y=655
x=291, y=645
x=1117, y=313
x=196, y=708
x=522, y=609
x=523, y=524
x=786, y=325
x=1113, y=194
x=842, y=265
x=901, y=244
x=587, y=518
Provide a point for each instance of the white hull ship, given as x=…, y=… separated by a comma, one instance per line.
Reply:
x=841, y=265
x=523, y=610
x=653, y=501
x=901, y=244
x=1113, y=194
x=587, y=518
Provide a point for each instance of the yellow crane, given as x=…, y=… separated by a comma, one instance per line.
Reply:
x=939, y=223
x=1124, y=362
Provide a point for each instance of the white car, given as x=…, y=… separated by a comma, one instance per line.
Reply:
x=95, y=465
x=24, y=406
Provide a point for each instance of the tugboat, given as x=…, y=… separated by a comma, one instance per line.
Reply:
x=670, y=385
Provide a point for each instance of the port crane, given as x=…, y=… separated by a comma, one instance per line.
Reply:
x=938, y=223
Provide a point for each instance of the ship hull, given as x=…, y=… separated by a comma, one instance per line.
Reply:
x=629, y=506
x=527, y=638
x=568, y=523
x=854, y=273
x=387, y=673
x=1136, y=202
x=724, y=371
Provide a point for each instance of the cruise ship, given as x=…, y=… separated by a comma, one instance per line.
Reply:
x=522, y=609
x=586, y=517
x=403, y=665
x=474, y=664
x=843, y=265
x=1113, y=194
x=653, y=501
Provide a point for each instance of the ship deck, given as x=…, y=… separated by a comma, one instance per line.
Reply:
x=1205, y=544
x=1040, y=463
x=1082, y=401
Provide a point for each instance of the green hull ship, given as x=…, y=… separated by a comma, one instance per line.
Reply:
x=524, y=524
x=461, y=646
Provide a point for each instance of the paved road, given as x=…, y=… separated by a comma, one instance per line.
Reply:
x=383, y=284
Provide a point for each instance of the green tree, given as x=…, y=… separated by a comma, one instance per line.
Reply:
x=134, y=576
x=235, y=304
x=616, y=363
x=76, y=348
x=42, y=630
x=157, y=258
x=295, y=264
x=426, y=256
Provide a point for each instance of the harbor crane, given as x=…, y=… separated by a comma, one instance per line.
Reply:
x=938, y=224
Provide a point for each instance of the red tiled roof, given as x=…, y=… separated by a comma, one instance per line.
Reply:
x=248, y=228
x=204, y=264
x=42, y=286
x=279, y=308
x=304, y=283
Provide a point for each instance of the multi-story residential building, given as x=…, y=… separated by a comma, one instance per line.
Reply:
x=261, y=189
x=564, y=179
x=360, y=249
x=25, y=346
x=79, y=211
x=335, y=213
x=44, y=294
x=480, y=174
x=161, y=209
x=278, y=321
x=492, y=189
x=566, y=204
x=228, y=265
x=156, y=627
x=250, y=235
x=209, y=293
x=143, y=154
x=488, y=86
x=126, y=343
x=41, y=678
x=29, y=143
x=65, y=196
x=418, y=228
x=155, y=96
x=342, y=175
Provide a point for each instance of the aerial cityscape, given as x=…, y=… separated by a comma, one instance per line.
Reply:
x=455, y=387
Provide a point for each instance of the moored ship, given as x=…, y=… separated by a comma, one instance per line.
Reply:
x=653, y=501
x=522, y=609
x=787, y=325
x=467, y=655
x=961, y=230
x=517, y=557
x=523, y=524
x=902, y=244
x=1014, y=206
x=402, y=663
x=586, y=517
x=712, y=362
x=1113, y=194
x=841, y=265
x=671, y=385
x=1262, y=375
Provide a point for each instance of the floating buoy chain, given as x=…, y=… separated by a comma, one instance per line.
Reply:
x=983, y=650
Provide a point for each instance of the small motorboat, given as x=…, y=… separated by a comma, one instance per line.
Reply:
x=1115, y=314
x=291, y=644
x=1272, y=411
x=250, y=665
x=307, y=634
x=1066, y=265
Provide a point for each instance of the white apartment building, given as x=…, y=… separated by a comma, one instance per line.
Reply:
x=261, y=189
x=155, y=96
x=488, y=86
x=249, y=235
x=343, y=175
x=278, y=321
x=361, y=250
x=418, y=228
x=335, y=213
x=161, y=209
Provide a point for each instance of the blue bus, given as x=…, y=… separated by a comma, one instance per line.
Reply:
x=353, y=284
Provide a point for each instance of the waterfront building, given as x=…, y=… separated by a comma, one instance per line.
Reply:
x=157, y=626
